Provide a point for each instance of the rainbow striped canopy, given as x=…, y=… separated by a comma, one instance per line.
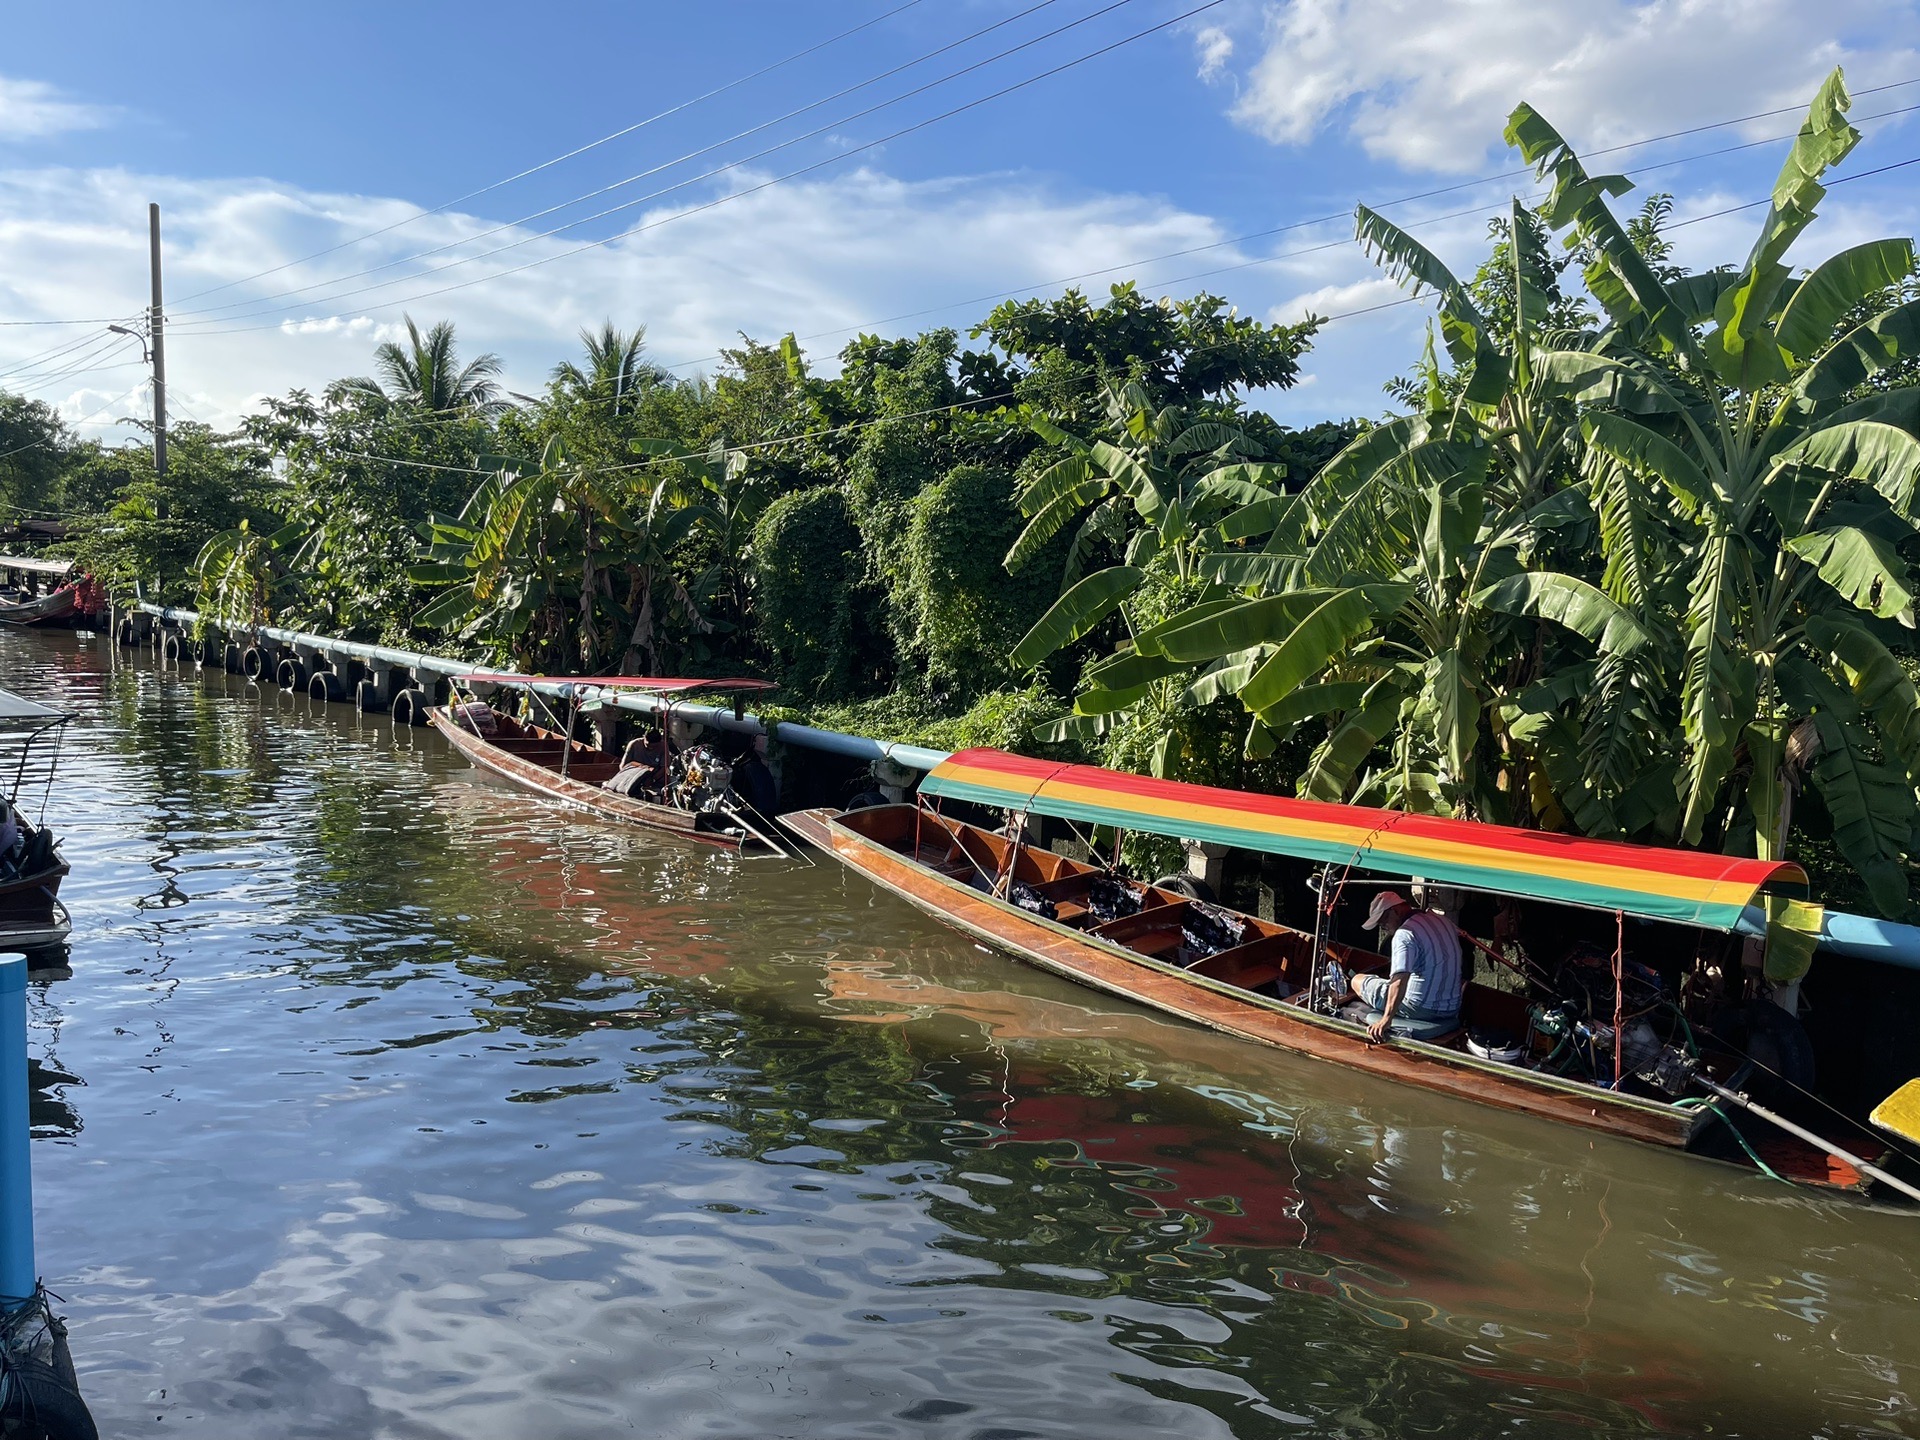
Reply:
x=1691, y=887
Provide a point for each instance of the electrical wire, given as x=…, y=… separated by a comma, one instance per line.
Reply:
x=558, y=159
x=1296, y=225
x=682, y=159
x=717, y=170
x=84, y=419
x=1262, y=260
x=1448, y=189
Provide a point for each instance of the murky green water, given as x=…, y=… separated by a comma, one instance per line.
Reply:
x=384, y=1101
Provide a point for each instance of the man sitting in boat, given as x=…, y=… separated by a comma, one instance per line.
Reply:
x=13, y=842
x=1420, y=993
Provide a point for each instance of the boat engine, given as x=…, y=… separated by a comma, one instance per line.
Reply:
x=703, y=781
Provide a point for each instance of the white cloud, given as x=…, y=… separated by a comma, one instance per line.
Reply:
x=1428, y=84
x=33, y=110
x=830, y=256
x=1214, y=47
x=863, y=250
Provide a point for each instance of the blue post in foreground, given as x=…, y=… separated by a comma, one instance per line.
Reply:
x=17, y=1274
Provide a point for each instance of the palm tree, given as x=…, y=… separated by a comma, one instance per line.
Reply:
x=614, y=372
x=426, y=373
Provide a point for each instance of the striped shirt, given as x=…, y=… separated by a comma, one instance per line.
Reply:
x=1426, y=949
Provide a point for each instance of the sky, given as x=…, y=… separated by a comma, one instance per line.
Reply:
x=829, y=167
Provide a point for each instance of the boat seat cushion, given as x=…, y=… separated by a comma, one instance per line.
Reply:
x=1404, y=1027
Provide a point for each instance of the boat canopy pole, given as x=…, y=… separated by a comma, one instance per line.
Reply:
x=1800, y=1132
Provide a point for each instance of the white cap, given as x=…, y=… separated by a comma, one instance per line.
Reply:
x=1384, y=904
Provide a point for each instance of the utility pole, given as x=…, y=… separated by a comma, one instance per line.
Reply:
x=154, y=325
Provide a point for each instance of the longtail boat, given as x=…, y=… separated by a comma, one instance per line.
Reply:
x=40, y=609
x=693, y=798
x=1521, y=1047
x=32, y=919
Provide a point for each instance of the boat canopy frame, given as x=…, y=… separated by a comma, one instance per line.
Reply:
x=1686, y=887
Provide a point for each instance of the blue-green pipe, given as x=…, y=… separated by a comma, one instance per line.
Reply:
x=17, y=1274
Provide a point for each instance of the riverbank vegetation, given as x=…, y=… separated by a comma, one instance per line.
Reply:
x=1631, y=556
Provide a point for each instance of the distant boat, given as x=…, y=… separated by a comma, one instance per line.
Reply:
x=1619, y=1059
x=696, y=803
x=41, y=609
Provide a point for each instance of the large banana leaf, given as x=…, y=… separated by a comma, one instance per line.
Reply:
x=1634, y=535
x=1717, y=684
x=1618, y=274
x=1327, y=697
x=1215, y=628
x=1319, y=637
x=1050, y=521
x=1130, y=668
x=1469, y=338
x=1148, y=491
x=1566, y=600
x=1250, y=571
x=1743, y=350
x=1259, y=518
x=1882, y=455
x=1147, y=641
x=1864, y=351
x=1075, y=613
x=1109, y=702
x=1836, y=285
x=1649, y=453
x=1859, y=565
x=1450, y=701
x=1699, y=295
x=1880, y=684
x=455, y=605
x=1225, y=676
x=1060, y=478
x=1376, y=525
x=1105, y=523
x=1872, y=807
x=1342, y=753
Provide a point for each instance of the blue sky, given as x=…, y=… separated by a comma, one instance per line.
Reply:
x=269, y=133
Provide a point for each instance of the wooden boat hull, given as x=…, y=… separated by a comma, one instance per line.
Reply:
x=25, y=937
x=580, y=787
x=42, y=610
x=31, y=915
x=1112, y=967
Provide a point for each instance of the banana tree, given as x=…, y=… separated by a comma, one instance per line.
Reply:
x=1386, y=590
x=1149, y=492
x=243, y=574
x=556, y=561
x=1737, y=430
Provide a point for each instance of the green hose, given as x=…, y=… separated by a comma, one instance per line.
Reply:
x=1765, y=1169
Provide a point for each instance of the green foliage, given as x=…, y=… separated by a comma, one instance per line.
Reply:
x=1002, y=719
x=966, y=612
x=810, y=589
x=150, y=537
x=1059, y=354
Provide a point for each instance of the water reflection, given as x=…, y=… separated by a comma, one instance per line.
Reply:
x=414, y=1107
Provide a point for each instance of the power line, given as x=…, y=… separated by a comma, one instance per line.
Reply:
x=1448, y=189
x=1755, y=204
x=1295, y=225
x=84, y=419
x=568, y=155
x=720, y=169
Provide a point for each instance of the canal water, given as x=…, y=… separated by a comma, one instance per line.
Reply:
x=386, y=1101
